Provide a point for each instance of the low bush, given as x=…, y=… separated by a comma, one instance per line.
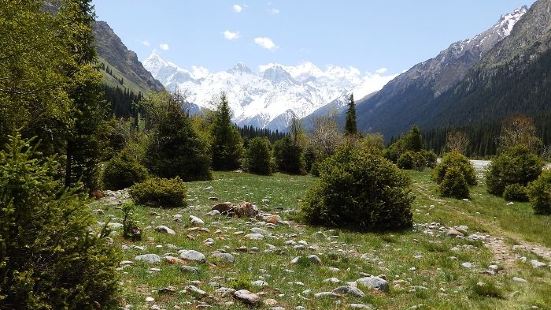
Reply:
x=160, y=193
x=539, y=193
x=515, y=192
x=131, y=231
x=258, y=156
x=454, y=184
x=430, y=158
x=123, y=171
x=407, y=161
x=458, y=160
x=517, y=165
x=359, y=191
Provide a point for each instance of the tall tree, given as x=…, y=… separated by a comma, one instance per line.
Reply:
x=227, y=145
x=85, y=90
x=351, y=127
x=32, y=85
x=176, y=150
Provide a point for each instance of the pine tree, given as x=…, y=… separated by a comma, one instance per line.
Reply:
x=176, y=150
x=351, y=127
x=227, y=146
x=85, y=91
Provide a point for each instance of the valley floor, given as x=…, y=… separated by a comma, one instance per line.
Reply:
x=477, y=254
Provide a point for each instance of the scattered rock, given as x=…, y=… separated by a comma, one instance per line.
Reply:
x=259, y=283
x=195, y=221
x=374, y=283
x=519, y=280
x=270, y=302
x=223, y=257
x=174, y=260
x=537, y=264
x=192, y=255
x=254, y=236
x=247, y=297
x=189, y=269
x=165, y=230
x=467, y=265
x=360, y=306
x=195, y=291
x=224, y=291
x=314, y=259
x=452, y=232
x=273, y=219
x=349, y=290
x=327, y=295
x=148, y=258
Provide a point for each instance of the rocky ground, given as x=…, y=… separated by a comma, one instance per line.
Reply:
x=198, y=257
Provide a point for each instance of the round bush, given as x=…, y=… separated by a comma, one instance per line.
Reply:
x=515, y=192
x=539, y=193
x=454, y=184
x=359, y=191
x=517, y=165
x=289, y=156
x=258, y=157
x=122, y=172
x=407, y=161
x=430, y=158
x=160, y=193
x=458, y=160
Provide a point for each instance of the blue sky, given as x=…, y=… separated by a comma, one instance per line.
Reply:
x=366, y=34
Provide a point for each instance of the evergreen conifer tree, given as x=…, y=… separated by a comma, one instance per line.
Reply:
x=351, y=127
x=227, y=145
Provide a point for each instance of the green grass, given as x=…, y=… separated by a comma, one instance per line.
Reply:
x=422, y=269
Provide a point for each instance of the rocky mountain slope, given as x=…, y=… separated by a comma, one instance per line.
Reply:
x=115, y=54
x=270, y=97
x=514, y=77
x=404, y=100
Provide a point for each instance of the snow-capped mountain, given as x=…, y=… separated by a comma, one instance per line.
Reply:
x=270, y=96
x=411, y=96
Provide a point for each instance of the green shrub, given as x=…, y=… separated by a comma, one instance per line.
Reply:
x=539, y=193
x=131, y=231
x=458, y=160
x=359, y=191
x=407, y=161
x=258, y=157
x=430, y=158
x=123, y=171
x=49, y=259
x=515, y=192
x=289, y=156
x=454, y=184
x=517, y=165
x=160, y=193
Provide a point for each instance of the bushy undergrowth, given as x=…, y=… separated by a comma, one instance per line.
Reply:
x=123, y=171
x=454, y=184
x=515, y=192
x=458, y=160
x=539, y=193
x=49, y=257
x=517, y=165
x=359, y=191
x=160, y=193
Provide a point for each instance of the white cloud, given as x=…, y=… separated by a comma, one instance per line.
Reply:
x=274, y=11
x=265, y=42
x=146, y=43
x=231, y=35
x=237, y=8
x=164, y=46
x=381, y=71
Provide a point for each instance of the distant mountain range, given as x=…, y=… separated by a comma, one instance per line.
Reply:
x=270, y=97
x=412, y=97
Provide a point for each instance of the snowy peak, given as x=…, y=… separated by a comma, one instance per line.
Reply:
x=507, y=22
x=266, y=98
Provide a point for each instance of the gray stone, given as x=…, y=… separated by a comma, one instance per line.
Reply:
x=223, y=257
x=165, y=230
x=349, y=290
x=195, y=221
x=519, y=280
x=195, y=291
x=314, y=259
x=247, y=297
x=254, y=236
x=259, y=283
x=360, y=306
x=327, y=295
x=374, y=283
x=192, y=255
x=224, y=291
x=189, y=269
x=467, y=265
x=148, y=258
x=537, y=264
